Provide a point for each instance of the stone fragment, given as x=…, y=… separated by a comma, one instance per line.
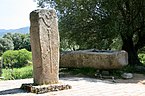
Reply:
x=127, y=75
x=45, y=46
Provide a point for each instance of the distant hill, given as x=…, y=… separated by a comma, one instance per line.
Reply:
x=23, y=30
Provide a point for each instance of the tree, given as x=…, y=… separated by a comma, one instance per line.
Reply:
x=26, y=42
x=130, y=17
x=5, y=44
x=20, y=41
x=95, y=23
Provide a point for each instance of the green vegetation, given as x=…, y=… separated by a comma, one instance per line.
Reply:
x=16, y=58
x=17, y=64
x=5, y=44
x=142, y=57
x=99, y=23
x=20, y=41
x=14, y=41
x=85, y=24
x=17, y=73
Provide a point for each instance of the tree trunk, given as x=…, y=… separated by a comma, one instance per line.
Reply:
x=141, y=41
x=129, y=47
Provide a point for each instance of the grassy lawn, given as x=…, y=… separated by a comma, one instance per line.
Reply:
x=17, y=73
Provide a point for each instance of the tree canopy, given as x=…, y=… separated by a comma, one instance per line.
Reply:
x=20, y=41
x=98, y=23
x=5, y=44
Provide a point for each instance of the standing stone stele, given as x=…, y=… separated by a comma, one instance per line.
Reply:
x=45, y=46
x=45, y=53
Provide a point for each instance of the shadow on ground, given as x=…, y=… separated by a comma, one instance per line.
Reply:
x=12, y=91
x=137, y=78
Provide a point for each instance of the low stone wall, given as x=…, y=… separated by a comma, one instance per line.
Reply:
x=94, y=59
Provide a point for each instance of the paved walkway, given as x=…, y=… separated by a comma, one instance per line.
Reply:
x=80, y=87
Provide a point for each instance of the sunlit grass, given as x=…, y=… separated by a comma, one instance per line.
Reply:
x=17, y=73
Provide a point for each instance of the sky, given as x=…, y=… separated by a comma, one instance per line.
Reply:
x=14, y=14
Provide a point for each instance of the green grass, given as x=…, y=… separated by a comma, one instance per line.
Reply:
x=17, y=73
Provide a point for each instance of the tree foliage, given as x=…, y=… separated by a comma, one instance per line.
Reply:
x=20, y=41
x=130, y=17
x=5, y=44
x=97, y=23
x=81, y=22
x=84, y=23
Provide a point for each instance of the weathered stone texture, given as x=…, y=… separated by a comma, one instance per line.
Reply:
x=45, y=88
x=98, y=60
x=45, y=46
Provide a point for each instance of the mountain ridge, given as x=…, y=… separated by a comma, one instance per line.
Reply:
x=23, y=30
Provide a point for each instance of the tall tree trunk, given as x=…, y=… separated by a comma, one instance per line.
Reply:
x=128, y=46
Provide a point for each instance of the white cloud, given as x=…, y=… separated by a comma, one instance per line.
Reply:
x=15, y=13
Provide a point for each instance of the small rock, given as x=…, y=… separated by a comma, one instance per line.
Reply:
x=127, y=75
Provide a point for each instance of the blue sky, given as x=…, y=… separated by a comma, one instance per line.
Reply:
x=15, y=13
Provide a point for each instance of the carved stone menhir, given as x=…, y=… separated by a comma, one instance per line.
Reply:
x=45, y=46
x=45, y=52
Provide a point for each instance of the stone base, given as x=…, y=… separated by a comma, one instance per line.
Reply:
x=44, y=88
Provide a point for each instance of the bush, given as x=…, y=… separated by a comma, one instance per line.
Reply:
x=16, y=58
x=142, y=57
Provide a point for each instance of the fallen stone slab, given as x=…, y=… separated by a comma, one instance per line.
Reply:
x=94, y=59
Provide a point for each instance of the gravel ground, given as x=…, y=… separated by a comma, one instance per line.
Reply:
x=82, y=86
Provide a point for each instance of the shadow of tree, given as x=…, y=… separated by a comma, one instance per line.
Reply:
x=12, y=91
x=138, y=78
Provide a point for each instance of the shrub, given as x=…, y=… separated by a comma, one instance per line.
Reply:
x=142, y=57
x=16, y=58
x=23, y=57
